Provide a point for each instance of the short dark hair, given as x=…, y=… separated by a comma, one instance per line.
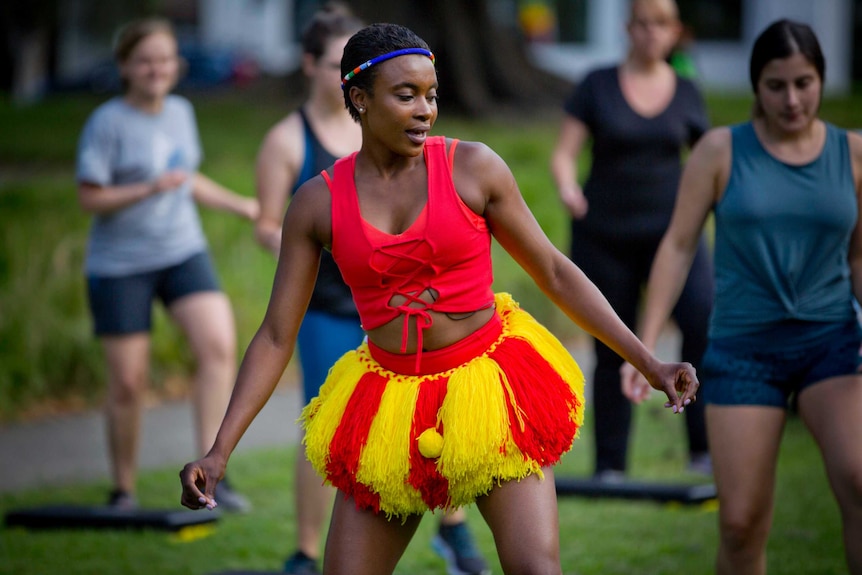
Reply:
x=782, y=39
x=334, y=20
x=370, y=42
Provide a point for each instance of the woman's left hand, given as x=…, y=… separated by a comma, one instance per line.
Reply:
x=250, y=209
x=678, y=381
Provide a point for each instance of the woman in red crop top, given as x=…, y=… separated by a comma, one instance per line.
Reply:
x=458, y=395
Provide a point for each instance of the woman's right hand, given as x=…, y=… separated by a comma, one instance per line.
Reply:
x=199, y=479
x=575, y=201
x=169, y=180
x=635, y=386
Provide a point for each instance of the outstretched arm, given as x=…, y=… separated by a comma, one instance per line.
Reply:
x=272, y=346
x=213, y=195
x=482, y=176
x=704, y=177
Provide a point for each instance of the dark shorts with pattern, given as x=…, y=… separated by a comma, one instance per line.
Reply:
x=735, y=372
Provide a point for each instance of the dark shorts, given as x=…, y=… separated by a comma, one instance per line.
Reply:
x=323, y=339
x=123, y=304
x=736, y=373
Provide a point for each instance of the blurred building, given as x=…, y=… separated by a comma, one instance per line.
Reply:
x=222, y=38
x=592, y=32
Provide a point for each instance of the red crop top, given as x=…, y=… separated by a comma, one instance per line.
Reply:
x=447, y=249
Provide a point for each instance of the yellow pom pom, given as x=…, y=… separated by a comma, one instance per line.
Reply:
x=430, y=443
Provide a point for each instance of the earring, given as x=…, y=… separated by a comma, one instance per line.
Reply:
x=361, y=110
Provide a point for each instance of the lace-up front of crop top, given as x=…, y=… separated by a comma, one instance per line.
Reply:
x=446, y=250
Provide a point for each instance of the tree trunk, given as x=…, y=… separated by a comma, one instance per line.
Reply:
x=482, y=65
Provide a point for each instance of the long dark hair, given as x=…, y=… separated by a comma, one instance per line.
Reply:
x=782, y=39
x=370, y=42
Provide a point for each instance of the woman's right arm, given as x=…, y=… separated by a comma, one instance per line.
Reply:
x=272, y=346
x=564, y=165
x=703, y=180
x=96, y=199
x=277, y=168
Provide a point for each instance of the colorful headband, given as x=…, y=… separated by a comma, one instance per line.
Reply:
x=383, y=58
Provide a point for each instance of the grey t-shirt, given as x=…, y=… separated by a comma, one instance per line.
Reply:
x=121, y=145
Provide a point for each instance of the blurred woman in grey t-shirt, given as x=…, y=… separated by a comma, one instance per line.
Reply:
x=137, y=175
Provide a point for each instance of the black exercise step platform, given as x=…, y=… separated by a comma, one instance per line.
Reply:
x=643, y=490
x=102, y=517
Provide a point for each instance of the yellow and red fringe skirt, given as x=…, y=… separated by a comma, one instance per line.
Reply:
x=497, y=406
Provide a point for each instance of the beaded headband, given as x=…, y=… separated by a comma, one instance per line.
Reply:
x=383, y=58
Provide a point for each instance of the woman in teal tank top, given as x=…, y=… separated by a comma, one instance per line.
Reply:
x=784, y=191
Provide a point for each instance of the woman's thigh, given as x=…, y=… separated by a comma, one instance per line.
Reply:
x=360, y=542
x=832, y=410
x=206, y=318
x=744, y=441
x=524, y=519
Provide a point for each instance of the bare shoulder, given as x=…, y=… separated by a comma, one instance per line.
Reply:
x=478, y=162
x=284, y=136
x=313, y=194
x=716, y=141
x=474, y=154
x=480, y=174
x=311, y=209
x=712, y=152
x=854, y=141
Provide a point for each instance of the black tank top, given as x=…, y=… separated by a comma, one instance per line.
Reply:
x=330, y=293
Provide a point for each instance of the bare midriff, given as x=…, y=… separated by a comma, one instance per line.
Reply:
x=442, y=329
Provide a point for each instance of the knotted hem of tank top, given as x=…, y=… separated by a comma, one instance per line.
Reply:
x=444, y=359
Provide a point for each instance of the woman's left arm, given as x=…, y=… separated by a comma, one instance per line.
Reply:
x=486, y=182
x=213, y=195
x=855, y=252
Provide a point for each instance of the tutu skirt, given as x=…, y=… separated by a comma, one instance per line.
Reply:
x=497, y=406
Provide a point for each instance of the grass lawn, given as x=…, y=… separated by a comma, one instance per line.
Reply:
x=598, y=537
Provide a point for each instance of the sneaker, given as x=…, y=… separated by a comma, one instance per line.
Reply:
x=229, y=500
x=700, y=463
x=122, y=500
x=610, y=476
x=301, y=564
x=454, y=543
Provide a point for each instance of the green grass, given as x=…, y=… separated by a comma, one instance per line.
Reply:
x=598, y=537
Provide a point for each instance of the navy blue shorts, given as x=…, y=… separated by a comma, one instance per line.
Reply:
x=323, y=339
x=737, y=373
x=123, y=304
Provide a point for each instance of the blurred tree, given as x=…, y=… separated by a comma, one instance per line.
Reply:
x=30, y=28
x=481, y=54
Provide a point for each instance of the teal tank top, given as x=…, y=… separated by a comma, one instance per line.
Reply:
x=782, y=238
